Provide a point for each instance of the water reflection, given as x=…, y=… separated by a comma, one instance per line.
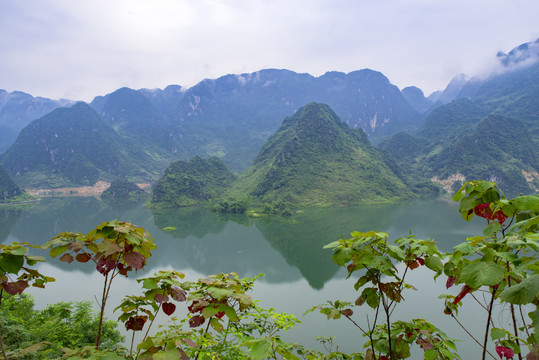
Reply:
x=284, y=248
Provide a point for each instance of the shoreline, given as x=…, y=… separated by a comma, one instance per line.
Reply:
x=95, y=190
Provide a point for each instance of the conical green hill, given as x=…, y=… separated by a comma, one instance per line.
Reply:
x=315, y=159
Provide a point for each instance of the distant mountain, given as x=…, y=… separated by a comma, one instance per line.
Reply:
x=233, y=116
x=490, y=131
x=315, y=159
x=17, y=109
x=417, y=99
x=191, y=183
x=451, y=91
x=131, y=114
x=73, y=147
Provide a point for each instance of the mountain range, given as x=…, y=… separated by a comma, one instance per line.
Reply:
x=134, y=134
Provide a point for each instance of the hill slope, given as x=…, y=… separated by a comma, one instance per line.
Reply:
x=315, y=159
x=190, y=183
x=73, y=147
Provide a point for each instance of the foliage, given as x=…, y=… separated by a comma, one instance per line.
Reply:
x=55, y=327
x=502, y=263
x=115, y=247
x=16, y=273
x=122, y=193
x=191, y=183
x=382, y=286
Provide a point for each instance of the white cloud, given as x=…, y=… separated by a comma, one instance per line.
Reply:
x=80, y=49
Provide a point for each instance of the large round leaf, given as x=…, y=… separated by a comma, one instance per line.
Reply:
x=477, y=274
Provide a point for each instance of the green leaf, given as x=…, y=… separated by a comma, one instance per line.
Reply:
x=524, y=293
x=431, y=354
x=496, y=333
x=11, y=263
x=434, y=263
x=260, y=349
x=491, y=229
x=54, y=252
x=231, y=314
x=477, y=274
x=216, y=324
x=342, y=256
x=284, y=352
x=371, y=297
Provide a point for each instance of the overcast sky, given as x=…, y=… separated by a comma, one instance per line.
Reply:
x=80, y=49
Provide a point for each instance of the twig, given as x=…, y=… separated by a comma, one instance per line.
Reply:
x=470, y=334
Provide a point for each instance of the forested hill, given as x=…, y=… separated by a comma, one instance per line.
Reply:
x=491, y=131
x=315, y=159
x=74, y=146
x=191, y=182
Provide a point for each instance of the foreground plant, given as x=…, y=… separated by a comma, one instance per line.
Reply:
x=382, y=286
x=16, y=273
x=501, y=264
x=115, y=247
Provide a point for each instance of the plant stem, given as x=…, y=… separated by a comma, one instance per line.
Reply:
x=205, y=332
x=148, y=330
x=470, y=335
x=523, y=321
x=103, y=303
x=132, y=342
x=491, y=305
x=1, y=341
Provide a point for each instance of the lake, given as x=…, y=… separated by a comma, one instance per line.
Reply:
x=288, y=250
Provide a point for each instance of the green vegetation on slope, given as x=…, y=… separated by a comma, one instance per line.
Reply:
x=73, y=147
x=191, y=183
x=9, y=190
x=315, y=159
x=42, y=334
x=122, y=192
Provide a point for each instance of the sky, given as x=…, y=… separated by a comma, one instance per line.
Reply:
x=79, y=49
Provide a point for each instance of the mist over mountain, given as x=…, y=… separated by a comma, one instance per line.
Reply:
x=17, y=109
x=490, y=131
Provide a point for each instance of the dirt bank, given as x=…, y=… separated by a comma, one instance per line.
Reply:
x=95, y=190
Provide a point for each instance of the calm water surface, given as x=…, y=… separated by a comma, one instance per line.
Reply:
x=298, y=272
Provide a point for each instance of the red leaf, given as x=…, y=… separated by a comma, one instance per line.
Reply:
x=160, y=298
x=135, y=260
x=104, y=265
x=347, y=312
x=413, y=265
x=83, y=257
x=450, y=282
x=421, y=261
x=169, y=308
x=122, y=269
x=66, y=258
x=17, y=287
x=178, y=294
x=465, y=289
x=220, y=314
x=505, y=351
x=196, y=321
x=136, y=323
